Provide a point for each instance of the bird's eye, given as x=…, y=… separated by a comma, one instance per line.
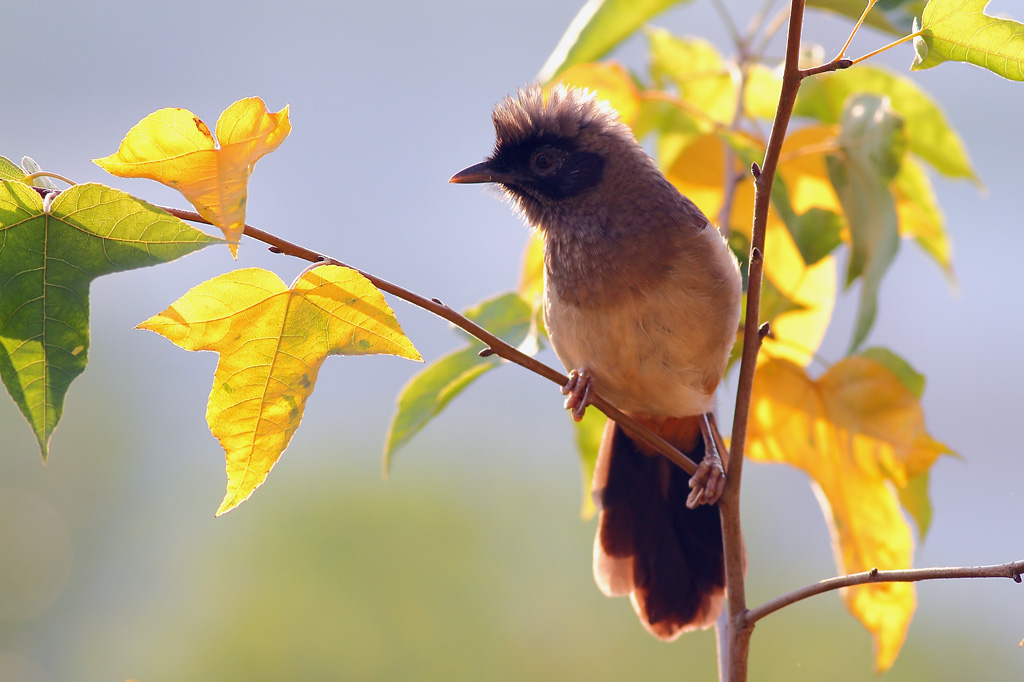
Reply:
x=543, y=160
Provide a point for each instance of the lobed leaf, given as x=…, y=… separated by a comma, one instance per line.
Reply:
x=597, y=29
x=858, y=432
x=959, y=30
x=50, y=251
x=272, y=340
x=174, y=147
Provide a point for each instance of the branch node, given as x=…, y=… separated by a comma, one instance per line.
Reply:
x=756, y=255
x=755, y=170
x=873, y=573
x=764, y=331
x=274, y=249
x=438, y=301
x=844, y=63
x=486, y=352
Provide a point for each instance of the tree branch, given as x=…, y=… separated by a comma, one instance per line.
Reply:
x=741, y=627
x=1012, y=570
x=494, y=345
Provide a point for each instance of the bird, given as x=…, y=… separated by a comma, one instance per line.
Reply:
x=641, y=304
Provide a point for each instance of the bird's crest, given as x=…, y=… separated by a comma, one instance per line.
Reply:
x=561, y=112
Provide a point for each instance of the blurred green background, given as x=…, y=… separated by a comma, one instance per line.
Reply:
x=471, y=562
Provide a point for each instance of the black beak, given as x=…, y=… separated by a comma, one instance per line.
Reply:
x=481, y=172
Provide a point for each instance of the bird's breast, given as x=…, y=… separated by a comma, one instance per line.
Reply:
x=659, y=349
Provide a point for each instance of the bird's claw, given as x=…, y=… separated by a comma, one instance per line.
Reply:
x=578, y=391
x=707, y=485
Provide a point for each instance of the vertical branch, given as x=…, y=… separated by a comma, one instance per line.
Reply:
x=735, y=559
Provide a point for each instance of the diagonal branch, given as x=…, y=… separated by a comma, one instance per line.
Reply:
x=1012, y=570
x=494, y=345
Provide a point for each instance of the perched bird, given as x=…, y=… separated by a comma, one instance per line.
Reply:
x=642, y=304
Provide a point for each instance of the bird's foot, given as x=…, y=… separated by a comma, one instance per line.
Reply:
x=708, y=483
x=578, y=391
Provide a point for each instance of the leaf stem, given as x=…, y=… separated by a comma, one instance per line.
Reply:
x=1012, y=570
x=863, y=16
x=46, y=174
x=494, y=344
x=894, y=43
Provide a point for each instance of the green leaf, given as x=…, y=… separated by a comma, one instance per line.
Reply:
x=914, y=498
x=10, y=171
x=588, y=440
x=816, y=233
x=959, y=30
x=929, y=134
x=428, y=392
x=892, y=16
x=920, y=215
x=872, y=143
x=598, y=28
x=50, y=251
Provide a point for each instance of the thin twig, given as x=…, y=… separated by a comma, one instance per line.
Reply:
x=493, y=343
x=1012, y=570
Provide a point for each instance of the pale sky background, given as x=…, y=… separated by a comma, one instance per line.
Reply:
x=388, y=99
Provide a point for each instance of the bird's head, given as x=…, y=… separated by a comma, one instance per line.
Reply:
x=551, y=152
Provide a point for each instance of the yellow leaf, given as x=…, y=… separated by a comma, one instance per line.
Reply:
x=857, y=431
x=611, y=82
x=699, y=172
x=802, y=165
x=174, y=147
x=272, y=340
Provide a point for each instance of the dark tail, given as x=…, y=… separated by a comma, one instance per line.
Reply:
x=668, y=558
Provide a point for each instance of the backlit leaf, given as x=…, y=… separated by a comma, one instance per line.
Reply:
x=10, y=171
x=272, y=340
x=50, y=251
x=597, y=29
x=174, y=147
x=611, y=82
x=697, y=71
x=858, y=432
x=427, y=393
x=959, y=30
x=588, y=439
x=928, y=132
x=872, y=144
x=761, y=97
x=810, y=290
x=919, y=213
